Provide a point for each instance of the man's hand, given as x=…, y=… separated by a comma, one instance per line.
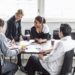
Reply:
x=45, y=52
x=40, y=56
x=41, y=40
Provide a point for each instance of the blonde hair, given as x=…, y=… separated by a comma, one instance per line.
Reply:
x=19, y=12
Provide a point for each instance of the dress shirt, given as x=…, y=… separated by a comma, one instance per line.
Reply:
x=53, y=62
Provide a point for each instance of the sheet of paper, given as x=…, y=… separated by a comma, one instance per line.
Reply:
x=33, y=48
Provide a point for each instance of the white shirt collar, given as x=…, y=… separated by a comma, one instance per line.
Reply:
x=66, y=38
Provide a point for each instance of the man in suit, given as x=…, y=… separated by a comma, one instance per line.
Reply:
x=13, y=30
x=8, y=68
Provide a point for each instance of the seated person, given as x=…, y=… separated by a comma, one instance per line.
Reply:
x=8, y=68
x=51, y=63
x=40, y=31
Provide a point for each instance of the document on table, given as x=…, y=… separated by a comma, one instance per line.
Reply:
x=36, y=48
x=33, y=48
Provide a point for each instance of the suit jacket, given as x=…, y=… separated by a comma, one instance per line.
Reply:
x=11, y=28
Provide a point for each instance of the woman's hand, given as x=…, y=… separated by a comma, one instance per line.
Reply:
x=41, y=40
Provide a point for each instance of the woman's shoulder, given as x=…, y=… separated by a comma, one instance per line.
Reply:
x=11, y=19
x=45, y=28
x=45, y=25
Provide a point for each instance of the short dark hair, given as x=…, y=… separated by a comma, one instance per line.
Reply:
x=40, y=19
x=1, y=22
x=65, y=29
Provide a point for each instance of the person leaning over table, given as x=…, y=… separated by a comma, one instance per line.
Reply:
x=13, y=30
x=51, y=63
x=40, y=30
x=8, y=68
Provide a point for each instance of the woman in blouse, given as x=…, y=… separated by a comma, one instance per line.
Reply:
x=40, y=30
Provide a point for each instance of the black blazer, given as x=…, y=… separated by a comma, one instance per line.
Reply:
x=11, y=28
x=42, y=35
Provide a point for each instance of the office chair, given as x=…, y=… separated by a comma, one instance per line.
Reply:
x=67, y=64
x=73, y=35
x=26, y=33
x=56, y=34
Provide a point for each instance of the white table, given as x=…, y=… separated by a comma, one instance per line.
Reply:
x=35, y=48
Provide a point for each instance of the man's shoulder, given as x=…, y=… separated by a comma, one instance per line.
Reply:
x=61, y=43
x=11, y=19
x=1, y=36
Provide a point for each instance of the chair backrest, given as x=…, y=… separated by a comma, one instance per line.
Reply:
x=56, y=34
x=73, y=35
x=67, y=64
x=27, y=32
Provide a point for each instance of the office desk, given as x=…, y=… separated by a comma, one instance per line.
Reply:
x=35, y=48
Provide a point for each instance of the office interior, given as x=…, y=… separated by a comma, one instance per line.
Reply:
x=59, y=12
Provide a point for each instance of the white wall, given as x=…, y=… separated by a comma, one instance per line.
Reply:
x=52, y=25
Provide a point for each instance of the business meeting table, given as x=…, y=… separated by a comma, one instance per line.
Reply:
x=35, y=48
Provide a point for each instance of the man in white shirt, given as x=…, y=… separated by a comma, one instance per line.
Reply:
x=51, y=63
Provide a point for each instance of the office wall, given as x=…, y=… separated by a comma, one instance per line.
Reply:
x=52, y=25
